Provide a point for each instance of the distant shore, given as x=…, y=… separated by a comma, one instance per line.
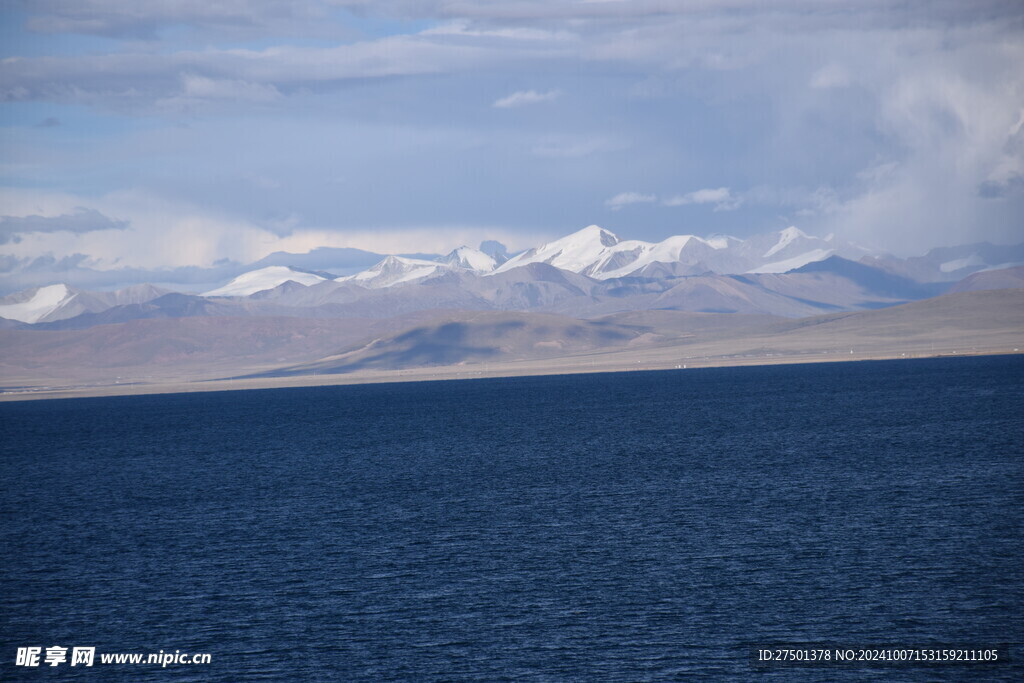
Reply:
x=596, y=363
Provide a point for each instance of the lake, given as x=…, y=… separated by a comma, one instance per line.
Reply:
x=625, y=526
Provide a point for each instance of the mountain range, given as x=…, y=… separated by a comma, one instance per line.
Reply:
x=570, y=296
x=590, y=272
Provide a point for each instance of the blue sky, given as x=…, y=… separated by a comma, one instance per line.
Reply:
x=181, y=133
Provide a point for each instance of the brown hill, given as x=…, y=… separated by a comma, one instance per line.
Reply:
x=1004, y=278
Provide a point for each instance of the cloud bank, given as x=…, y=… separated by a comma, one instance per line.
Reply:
x=213, y=131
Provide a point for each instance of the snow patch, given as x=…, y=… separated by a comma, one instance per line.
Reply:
x=970, y=261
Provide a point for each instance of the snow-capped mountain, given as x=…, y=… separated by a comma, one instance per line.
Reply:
x=600, y=254
x=33, y=305
x=778, y=252
x=471, y=259
x=589, y=272
x=265, y=278
x=577, y=253
x=59, y=302
x=395, y=270
x=949, y=264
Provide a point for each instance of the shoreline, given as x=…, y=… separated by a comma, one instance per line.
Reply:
x=572, y=365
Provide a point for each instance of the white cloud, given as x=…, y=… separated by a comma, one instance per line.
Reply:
x=200, y=90
x=80, y=220
x=430, y=239
x=125, y=78
x=955, y=115
x=721, y=197
x=524, y=97
x=626, y=198
x=209, y=88
x=161, y=234
x=933, y=124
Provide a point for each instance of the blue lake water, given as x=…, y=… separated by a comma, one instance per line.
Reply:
x=633, y=526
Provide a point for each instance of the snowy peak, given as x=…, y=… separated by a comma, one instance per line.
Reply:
x=395, y=270
x=59, y=302
x=263, y=279
x=630, y=256
x=786, y=237
x=470, y=258
x=590, y=238
x=597, y=253
x=575, y=252
x=593, y=252
x=33, y=305
x=791, y=248
x=594, y=232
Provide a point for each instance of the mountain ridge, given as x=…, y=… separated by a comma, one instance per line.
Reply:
x=588, y=273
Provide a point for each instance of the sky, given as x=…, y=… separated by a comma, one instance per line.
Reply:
x=168, y=139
